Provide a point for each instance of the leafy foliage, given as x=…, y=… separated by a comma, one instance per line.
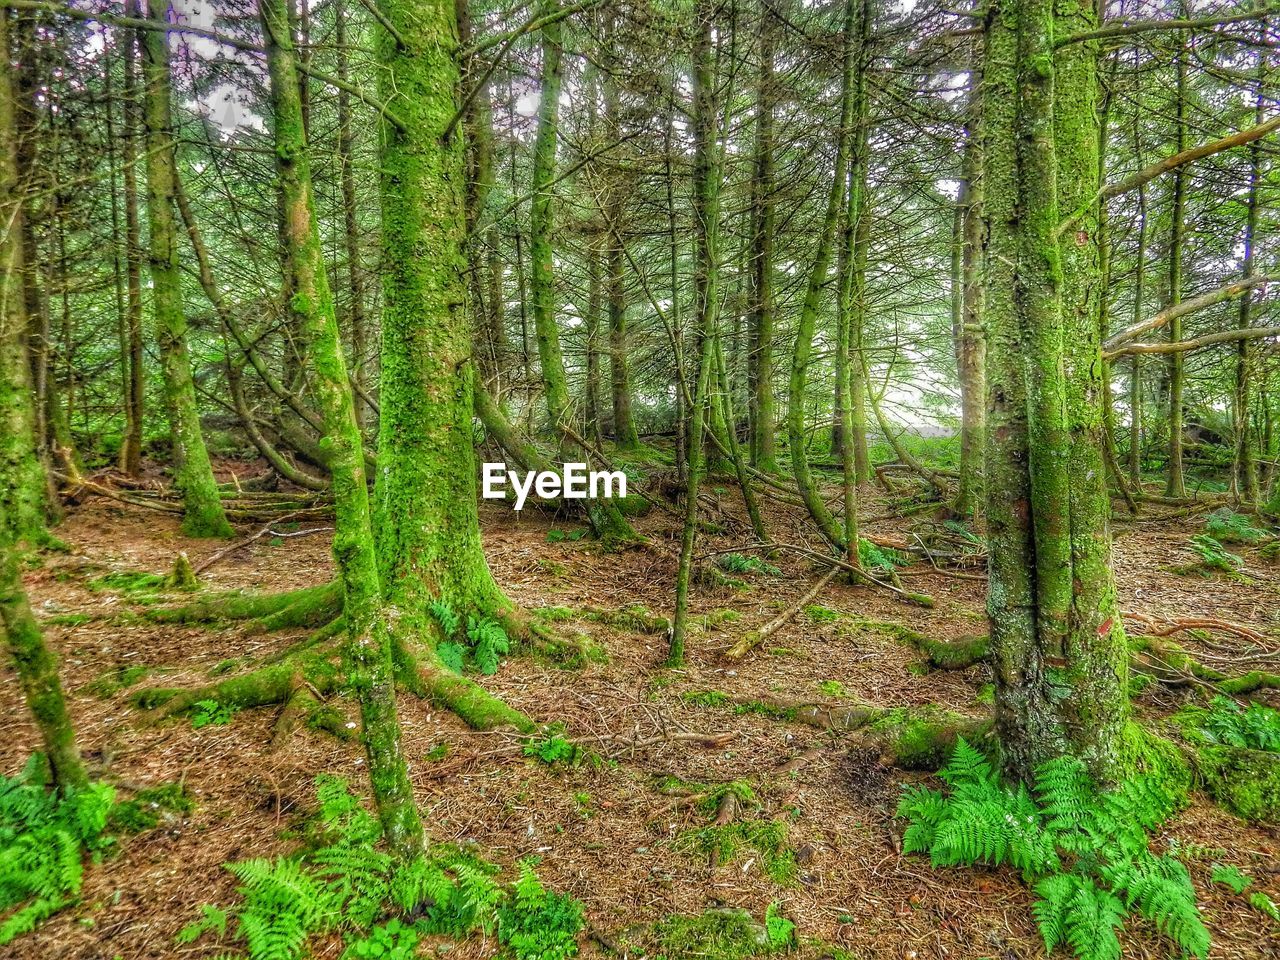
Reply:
x=780, y=931
x=1255, y=727
x=1213, y=556
x=211, y=713
x=566, y=536
x=1227, y=526
x=741, y=563
x=873, y=557
x=43, y=838
x=551, y=746
x=1231, y=877
x=1083, y=850
x=480, y=646
x=538, y=924
x=349, y=884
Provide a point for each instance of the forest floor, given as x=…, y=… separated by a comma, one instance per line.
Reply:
x=605, y=832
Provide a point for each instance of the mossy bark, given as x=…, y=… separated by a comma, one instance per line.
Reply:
x=1175, y=485
x=203, y=515
x=425, y=521
x=367, y=652
x=802, y=355
x=22, y=480
x=1058, y=646
x=706, y=217
x=761, y=323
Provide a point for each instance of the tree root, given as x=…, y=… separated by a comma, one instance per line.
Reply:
x=938, y=654
x=749, y=641
x=1246, y=782
x=1172, y=665
x=258, y=688
x=911, y=738
x=308, y=607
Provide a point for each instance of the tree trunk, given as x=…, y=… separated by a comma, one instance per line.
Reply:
x=971, y=353
x=1059, y=651
x=203, y=515
x=606, y=520
x=368, y=650
x=1176, y=485
x=763, y=443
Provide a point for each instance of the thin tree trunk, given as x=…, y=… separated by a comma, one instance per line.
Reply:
x=203, y=515
x=21, y=480
x=763, y=443
x=368, y=650
x=706, y=231
x=1176, y=485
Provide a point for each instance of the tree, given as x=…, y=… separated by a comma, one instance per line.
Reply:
x=203, y=515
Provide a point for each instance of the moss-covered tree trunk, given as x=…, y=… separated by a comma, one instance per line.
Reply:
x=203, y=515
x=22, y=482
x=1175, y=485
x=971, y=339
x=763, y=445
x=367, y=656
x=802, y=355
x=1244, y=472
x=1058, y=648
x=706, y=232
x=130, y=461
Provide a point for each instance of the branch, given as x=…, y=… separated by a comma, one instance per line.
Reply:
x=1231, y=290
x=136, y=23
x=1147, y=174
x=1121, y=28
x=1208, y=340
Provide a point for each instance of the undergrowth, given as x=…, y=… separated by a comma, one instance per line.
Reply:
x=44, y=837
x=347, y=884
x=1082, y=850
x=1255, y=727
x=479, y=647
x=1227, y=526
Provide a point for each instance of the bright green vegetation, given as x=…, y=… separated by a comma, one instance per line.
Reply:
x=741, y=563
x=1084, y=851
x=380, y=905
x=206, y=713
x=551, y=746
x=479, y=647
x=766, y=840
x=45, y=836
x=724, y=933
x=1224, y=721
x=1227, y=526
x=1213, y=556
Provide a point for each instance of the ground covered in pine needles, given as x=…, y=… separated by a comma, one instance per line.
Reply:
x=818, y=836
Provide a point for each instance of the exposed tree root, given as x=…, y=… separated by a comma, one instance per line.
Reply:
x=1246, y=782
x=939, y=654
x=308, y=607
x=912, y=738
x=263, y=686
x=1172, y=665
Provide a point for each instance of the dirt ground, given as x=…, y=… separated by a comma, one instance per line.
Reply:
x=606, y=833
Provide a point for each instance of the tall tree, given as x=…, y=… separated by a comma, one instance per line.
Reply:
x=203, y=515
x=367, y=657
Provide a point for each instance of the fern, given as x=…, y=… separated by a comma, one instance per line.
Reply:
x=445, y=616
x=537, y=924
x=44, y=836
x=488, y=643
x=1083, y=850
x=1231, y=877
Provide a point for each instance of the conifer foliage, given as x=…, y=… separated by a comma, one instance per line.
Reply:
x=1084, y=851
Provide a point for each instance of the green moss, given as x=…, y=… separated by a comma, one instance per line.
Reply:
x=766, y=839
x=133, y=582
x=705, y=698
x=148, y=807
x=821, y=614
x=1246, y=782
x=113, y=681
x=722, y=933
x=70, y=619
x=764, y=709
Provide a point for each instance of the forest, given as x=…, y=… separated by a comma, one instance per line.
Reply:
x=668, y=479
